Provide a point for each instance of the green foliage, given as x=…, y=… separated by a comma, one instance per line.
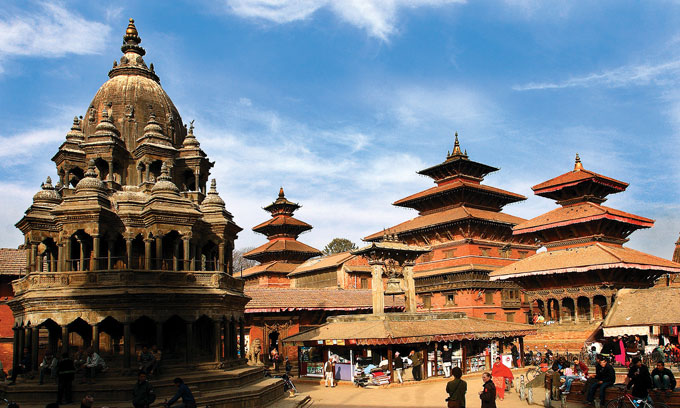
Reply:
x=338, y=245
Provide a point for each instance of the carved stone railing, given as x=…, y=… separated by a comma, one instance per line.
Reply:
x=127, y=278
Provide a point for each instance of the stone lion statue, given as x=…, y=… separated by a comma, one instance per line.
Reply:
x=254, y=352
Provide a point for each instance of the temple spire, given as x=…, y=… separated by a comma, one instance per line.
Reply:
x=456, y=147
x=131, y=40
x=578, y=166
x=281, y=195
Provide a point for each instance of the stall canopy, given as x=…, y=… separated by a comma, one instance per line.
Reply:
x=636, y=309
x=403, y=328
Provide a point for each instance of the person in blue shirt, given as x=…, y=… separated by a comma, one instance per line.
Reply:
x=183, y=392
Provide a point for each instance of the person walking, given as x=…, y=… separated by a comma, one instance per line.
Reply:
x=398, y=365
x=500, y=372
x=456, y=389
x=416, y=362
x=66, y=372
x=143, y=394
x=329, y=372
x=446, y=360
x=488, y=393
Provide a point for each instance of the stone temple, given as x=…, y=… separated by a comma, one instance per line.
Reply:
x=128, y=249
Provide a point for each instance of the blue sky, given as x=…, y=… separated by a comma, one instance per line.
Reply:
x=341, y=102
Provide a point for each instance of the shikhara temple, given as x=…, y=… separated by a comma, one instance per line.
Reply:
x=131, y=247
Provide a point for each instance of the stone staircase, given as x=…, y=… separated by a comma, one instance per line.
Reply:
x=561, y=337
x=237, y=385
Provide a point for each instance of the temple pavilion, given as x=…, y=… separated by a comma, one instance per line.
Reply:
x=462, y=221
x=129, y=248
x=585, y=262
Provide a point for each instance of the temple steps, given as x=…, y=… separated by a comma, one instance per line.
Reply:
x=241, y=386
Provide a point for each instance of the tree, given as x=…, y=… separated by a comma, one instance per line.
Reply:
x=338, y=245
x=241, y=263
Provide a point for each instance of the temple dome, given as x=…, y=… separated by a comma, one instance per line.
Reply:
x=131, y=94
x=91, y=181
x=164, y=185
x=47, y=194
x=213, y=198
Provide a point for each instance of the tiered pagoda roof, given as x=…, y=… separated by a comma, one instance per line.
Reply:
x=583, y=235
x=458, y=196
x=283, y=253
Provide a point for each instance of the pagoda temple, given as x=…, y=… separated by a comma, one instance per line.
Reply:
x=585, y=264
x=129, y=250
x=461, y=220
x=283, y=252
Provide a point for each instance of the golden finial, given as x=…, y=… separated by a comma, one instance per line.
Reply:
x=281, y=193
x=131, y=40
x=456, y=147
x=578, y=166
x=131, y=29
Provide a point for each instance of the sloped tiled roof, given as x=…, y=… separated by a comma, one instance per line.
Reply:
x=290, y=299
x=12, y=261
x=394, y=331
x=458, y=184
x=270, y=267
x=282, y=220
x=283, y=245
x=326, y=262
x=645, y=307
x=447, y=216
x=577, y=176
x=581, y=212
x=583, y=259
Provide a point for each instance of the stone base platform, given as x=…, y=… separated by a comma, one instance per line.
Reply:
x=560, y=337
x=236, y=386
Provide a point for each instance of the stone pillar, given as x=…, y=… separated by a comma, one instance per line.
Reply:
x=607, y=299
x=218, y=340
x=109, y=253
x=575, y=309
x=531, y=309
x=15, y=347
x=196, y=180
x=159, y=252
x=60, y=257
x=159, y=335
x=67, y=179
x=190, y=335
x=139, y=173
x=110, y=177
x=186, y=251
x=590, y=309
x=194, y=255
x=81, y=266
x=128, y=252
x=220, y=257
x=68, y=264
x=127, y=347
x=228, y=339
x=378, y=288
x=232, y=332
x=175, y=255
x=146, y=171
x=147, y=253
x=35, y=346
x=95, y=245
x=558, y=309
x=35, y=265
x=64, y=339
x=410, y=287
x=28, y=332
x=54, y=261
x=242, y=339
x=95, y=337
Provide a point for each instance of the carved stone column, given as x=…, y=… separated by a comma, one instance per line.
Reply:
x=220, y=257
x=15, y=347
x=159, y=252
x=197, y=175
x=575, y=309
x=175, y=255
x=127, y=347
x=558, y=309
x=147, y=253
x=60, y=257
x=194, y=255
x=590, y=309
x=95, y=247
x=128, y=251
x=68, y=263
x=35, y=346
x=217, y=329
x=109, y=253
x=186, y=251
x=410, y=287
x=110, y=177
x=34, y=258
x=378, y=288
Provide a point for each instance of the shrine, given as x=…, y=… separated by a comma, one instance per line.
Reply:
x=462, y=221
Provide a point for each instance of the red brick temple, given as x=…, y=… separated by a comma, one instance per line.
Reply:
x=283, y=253
x=585, y=263
x=462, y=221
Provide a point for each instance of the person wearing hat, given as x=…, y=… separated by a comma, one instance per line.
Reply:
x=398, y=365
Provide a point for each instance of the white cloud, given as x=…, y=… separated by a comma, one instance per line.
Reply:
x=24, y=145
x=377, y=17
x=642, y=74
x=50, y=31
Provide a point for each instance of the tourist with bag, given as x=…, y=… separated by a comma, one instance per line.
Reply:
x=456, y=389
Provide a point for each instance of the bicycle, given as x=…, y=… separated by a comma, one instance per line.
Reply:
x=626, y=400
x=532, y=373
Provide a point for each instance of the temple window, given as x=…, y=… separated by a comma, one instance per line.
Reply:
x=488, y=297
x=510, y=316
x=364, y=283
x=451, y=299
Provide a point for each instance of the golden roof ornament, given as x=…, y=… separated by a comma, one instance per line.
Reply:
x=131, y=40
x=281, y=195
x=457, y=152
x=578, y=166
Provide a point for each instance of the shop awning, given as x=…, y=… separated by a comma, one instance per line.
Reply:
x=403, y=328
x=626, y=330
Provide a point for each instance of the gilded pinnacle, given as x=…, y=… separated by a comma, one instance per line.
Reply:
x=578, y=166
x=456, y=147
x=281, y=195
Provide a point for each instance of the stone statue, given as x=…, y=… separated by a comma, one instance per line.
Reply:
x=254, y=352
